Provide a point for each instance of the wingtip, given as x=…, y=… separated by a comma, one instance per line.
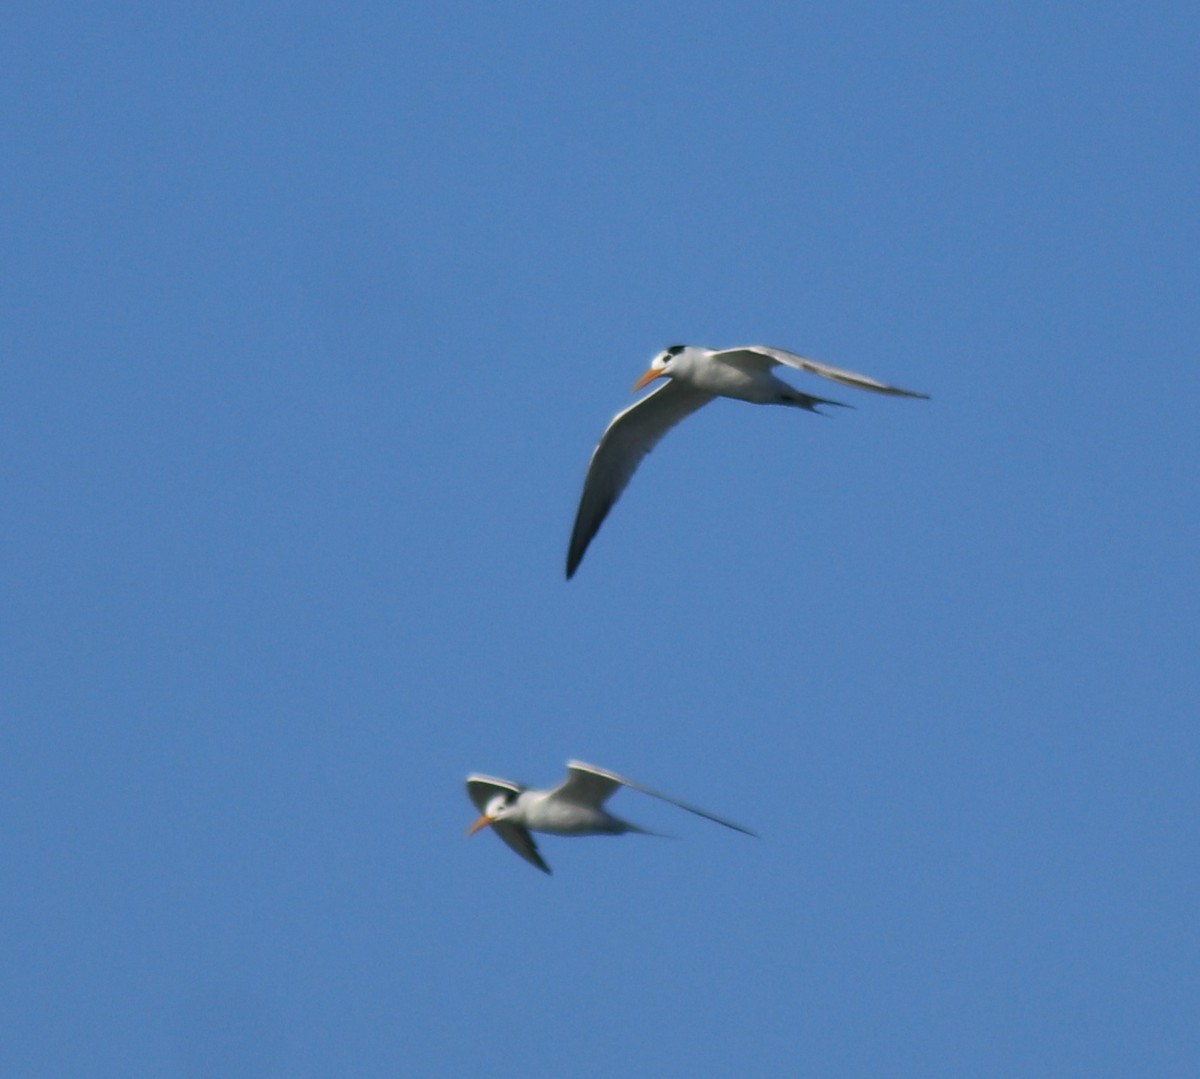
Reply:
x=574, y=557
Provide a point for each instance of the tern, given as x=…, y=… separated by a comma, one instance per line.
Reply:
x=695, y=376
x=574, y=807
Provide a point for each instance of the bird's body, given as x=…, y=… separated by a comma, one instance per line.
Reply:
x=573, y=808
x=542, y=811
x=696, y=376
x=738, y=373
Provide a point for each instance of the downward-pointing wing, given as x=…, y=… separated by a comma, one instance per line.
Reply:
x=518, y=837
x=630, y=436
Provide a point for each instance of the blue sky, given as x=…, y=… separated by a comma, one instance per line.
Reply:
x=311, y=319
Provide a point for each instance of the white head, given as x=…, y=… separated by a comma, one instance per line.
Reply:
x=667, y=362
x=499, y=807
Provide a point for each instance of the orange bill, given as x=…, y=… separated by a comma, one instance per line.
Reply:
x=646, y=379
x=483, y=822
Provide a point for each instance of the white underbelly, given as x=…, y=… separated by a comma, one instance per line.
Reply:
x=564, y=818
x=759, y=387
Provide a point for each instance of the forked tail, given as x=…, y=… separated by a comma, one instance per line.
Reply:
x=799, y=399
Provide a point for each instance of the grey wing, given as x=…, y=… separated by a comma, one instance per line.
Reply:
x=519, y=839
x=586, y=785
x=482, y=789
x=616, y=780
x=765, y=356
x=631, y=435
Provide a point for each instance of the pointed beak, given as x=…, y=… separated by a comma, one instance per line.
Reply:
x=483, y=822
x=646, y=379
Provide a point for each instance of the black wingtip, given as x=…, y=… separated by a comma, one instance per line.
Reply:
x=574, y=557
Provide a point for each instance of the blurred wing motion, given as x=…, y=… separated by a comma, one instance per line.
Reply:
x=586, y=786
x=591, y=786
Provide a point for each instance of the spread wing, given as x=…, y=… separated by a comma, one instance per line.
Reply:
x=763, y=356
x=599, y=784
x=587, y=786
x=519, y=839
x=629, y=437
x=481, y=790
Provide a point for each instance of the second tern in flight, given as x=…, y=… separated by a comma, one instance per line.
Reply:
x=695, y=376
x=574, y=807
